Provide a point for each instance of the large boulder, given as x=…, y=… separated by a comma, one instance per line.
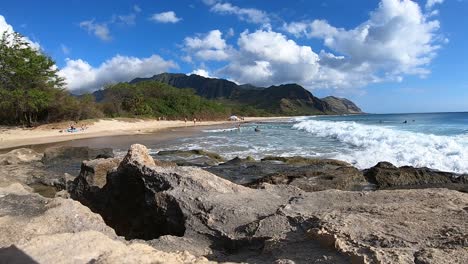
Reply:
x=386, y=175
x=174, y=207
x=34, y=229
x=20, y=156
x=95, y=171
x=25, y=215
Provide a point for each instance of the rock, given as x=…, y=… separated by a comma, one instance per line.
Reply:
x=95, y=171
x=240, y=161
x=20, y=156
x=312, y=180
x=391, y=226
x=194, y=157
x=185, y=206
x=212, y=215
x=386, y=175
x=305, y=173
x=67, y=154
x=89, y=247
x=33, y=174
x=25, y=215
x=298, y=160
x=34, y=229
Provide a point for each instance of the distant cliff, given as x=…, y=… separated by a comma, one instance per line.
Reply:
x=342, y=105
x=286, y=99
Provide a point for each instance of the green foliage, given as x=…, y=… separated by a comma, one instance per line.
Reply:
x=154, y=99
x=28, y=81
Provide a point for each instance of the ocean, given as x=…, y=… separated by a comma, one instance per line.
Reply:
x=434, y=140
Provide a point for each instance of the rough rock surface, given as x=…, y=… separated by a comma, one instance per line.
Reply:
x=207, y=215
x=48, y=173
x=194, y=157
x=34, y=229
x=386, y=175
x=95, y=171
x=305, y=173
x=25, y=215
x=19, y=156
x=67, y=154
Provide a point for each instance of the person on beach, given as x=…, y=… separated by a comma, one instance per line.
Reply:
x=185, y=120
x=194, y=121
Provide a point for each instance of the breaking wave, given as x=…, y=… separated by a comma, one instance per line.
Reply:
x=367, y=145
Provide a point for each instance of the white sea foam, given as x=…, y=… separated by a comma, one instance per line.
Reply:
x=220, y=130
x=370, y=144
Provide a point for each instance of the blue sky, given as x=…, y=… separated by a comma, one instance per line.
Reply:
x=387, y=56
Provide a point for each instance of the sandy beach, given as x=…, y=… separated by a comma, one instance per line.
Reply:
x=11, y=137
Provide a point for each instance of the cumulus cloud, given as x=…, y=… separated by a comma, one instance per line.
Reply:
x=266, y=57
x=100, y=30
x=201, y=72
x=80, y=76
x=165, y=17
x=210, y=46
x=5, y=27
x=397, y=40
x=250, y=15
x=431, y=3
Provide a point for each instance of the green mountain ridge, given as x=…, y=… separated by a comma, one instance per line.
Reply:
x=286, y=99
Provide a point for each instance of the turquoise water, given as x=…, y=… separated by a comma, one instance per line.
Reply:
x=435, y=140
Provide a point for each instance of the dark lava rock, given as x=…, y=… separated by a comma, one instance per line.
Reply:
x=298, y=160
x=385, y=175
x=308, y=174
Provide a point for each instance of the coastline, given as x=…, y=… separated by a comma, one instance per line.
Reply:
x=15, y=137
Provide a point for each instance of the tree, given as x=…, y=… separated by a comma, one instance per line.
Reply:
x=28, y=81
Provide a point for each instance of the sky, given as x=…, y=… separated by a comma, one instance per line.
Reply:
x=388, y=56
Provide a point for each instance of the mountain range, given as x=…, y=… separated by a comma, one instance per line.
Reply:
x=286, y=99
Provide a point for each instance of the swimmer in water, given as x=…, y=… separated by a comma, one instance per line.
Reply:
x=257, y=129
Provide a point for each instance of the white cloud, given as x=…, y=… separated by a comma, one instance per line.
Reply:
x=397, y=40
x=165, y=17
x=251, y=15
x=100, y=30
x=125, y=19
x=5, y=27
x=208, y=47
x=265, y=57
x=64, y=49
x=431, y=3
x=136, y=8
x=201, y=72
x=230, y=33
x=80, y=76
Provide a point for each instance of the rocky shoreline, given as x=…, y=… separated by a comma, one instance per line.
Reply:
x=80, y=205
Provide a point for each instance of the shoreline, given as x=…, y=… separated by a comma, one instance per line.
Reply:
x=15, y=137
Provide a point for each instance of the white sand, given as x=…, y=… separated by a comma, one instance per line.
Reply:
x=14, y=137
